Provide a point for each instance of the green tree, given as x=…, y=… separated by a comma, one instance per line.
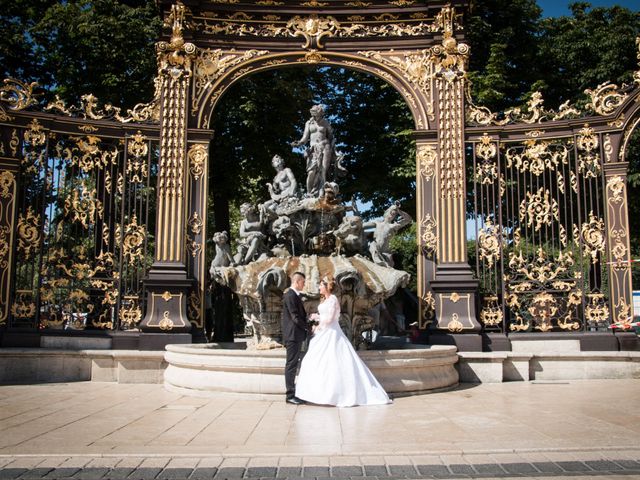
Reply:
x=503, y=36
x=592, y=46
x=104, y=47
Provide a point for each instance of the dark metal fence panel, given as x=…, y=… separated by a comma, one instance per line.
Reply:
x=538, y=211
x=85, y=217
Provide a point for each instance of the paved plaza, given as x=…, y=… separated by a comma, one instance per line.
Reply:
x=522, y=429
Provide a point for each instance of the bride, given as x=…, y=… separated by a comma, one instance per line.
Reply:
x=332, y=373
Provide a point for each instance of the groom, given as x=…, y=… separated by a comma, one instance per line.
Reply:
x=294, y=332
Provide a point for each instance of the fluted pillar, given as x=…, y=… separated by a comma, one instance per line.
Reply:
x=168, y=284
x=454, y=287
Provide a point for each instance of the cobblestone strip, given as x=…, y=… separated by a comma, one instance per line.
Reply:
x=618, y=468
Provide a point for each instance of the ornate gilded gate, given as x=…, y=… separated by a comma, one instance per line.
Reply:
x=95, y=202
x=551, y=214
x=78, y=203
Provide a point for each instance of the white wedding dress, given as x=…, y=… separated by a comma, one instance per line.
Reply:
x=332, y=373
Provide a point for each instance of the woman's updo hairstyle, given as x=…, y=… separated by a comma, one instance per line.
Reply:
x=329, y=283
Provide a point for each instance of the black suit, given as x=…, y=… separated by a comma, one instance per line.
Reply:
x=294, y=332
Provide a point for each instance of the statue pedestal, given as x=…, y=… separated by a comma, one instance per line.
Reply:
x=167, y=294
x=455, y=291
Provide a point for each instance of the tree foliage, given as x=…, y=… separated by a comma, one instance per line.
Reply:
x=515, y=51
x=264, y=113
x=75, y=47
x=503, y=36
x=581, y=51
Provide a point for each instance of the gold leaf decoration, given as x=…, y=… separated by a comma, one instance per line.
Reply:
x=489, y=242
x=455, y=325
x=596, y=310
x=426, y=157
x=18, y=95
x=616, y=186
x=35, y=134
x=491, y=314
x=136, y=166
x=82, y=205
x=198, y=156
x=166, y=324
x=428, y=234
x=605, y=98
x=134, y=238
x=539, y=209
x=29, y=237
x=593, y=238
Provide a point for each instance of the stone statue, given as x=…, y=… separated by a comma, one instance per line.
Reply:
x=349, y=235
x=393, y=221
x=284, y=185
x=310, y=233
x=223, y=256
x=321, y=150
x=251, y=241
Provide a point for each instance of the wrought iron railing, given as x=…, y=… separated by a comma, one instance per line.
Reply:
x=539, y=228
x=81, y=188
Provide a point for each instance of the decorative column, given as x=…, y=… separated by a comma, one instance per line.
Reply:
x=168, y=285
x=8, y=189
x=617, y=228
x=454, y=287
x=196, y=234
x=427, y=234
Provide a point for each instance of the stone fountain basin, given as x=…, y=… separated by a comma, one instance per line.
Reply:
x=214, y=368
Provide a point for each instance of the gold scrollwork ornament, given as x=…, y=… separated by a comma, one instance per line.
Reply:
x=596, y=310
x=166, y=324
x=489, y=242
x=539, y=209
x=130, y=312
x=593, y=238
x=194, y=308
x=491, y=314
x=455, y=325
x=22, y=307
x=486, y=149
x=29, y=237
x=82, y=205
x=18, y=95
x=426, y=157
x=428, y=306
x=198, y=156
x=429, y=235
x=7, y=182
x=133, y=241
x=616, y=186
x=605, y=98
x=195, y=223
x=138, y=149
x=449, y=58
x=35, y=134
x=543, y=308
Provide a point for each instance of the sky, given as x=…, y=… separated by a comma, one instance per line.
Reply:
x=556, y=8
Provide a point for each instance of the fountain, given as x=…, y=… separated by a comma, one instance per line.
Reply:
x=318, y=234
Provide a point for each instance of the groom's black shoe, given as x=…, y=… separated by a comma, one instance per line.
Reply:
x=295, y=401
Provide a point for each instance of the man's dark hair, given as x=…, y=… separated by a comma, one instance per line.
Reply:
x=298, y=274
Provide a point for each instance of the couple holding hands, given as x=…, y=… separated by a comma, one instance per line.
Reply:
x=331, y=372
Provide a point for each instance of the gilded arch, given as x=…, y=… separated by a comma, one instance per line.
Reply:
x=417, y=48
x=409, y=72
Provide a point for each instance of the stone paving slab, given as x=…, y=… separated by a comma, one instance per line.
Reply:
x=513, y=430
